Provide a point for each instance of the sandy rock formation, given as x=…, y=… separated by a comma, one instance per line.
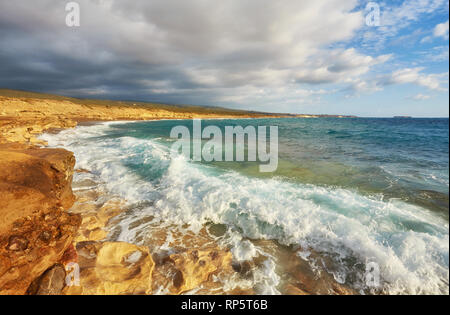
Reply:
x=35, y=229
x=112, y=268
x=95, y=218
x=195, y=267
x=23, y=129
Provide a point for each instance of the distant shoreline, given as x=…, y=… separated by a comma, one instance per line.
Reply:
x=181, y=108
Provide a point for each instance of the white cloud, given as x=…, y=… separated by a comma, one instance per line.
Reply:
x=421, y=97
x=365, y=86
x=435, y=54
x=415, y=76
x=338, y=66
x=441, y=30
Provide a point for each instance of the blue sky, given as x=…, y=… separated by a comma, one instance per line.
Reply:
x=318, y=57
x=419, y=40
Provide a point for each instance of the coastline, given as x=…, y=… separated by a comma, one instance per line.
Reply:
x=36, y=248
x=29, y=255
x=106, y=267
x=187, y=263
x=131, y=241
x=33, y=246
x=112, y=153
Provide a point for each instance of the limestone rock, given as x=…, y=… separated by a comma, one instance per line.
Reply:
x=35, y=230
x=113, y=268
x=195, y=267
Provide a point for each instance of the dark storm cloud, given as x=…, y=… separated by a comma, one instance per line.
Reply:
x=192, y=52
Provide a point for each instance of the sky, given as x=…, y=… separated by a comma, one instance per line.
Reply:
x=379, y=58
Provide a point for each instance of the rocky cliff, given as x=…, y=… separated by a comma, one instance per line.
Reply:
x=35, y=229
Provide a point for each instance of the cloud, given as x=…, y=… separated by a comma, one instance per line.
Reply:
x=338, y=66
x=174, y=51
x=435, y=54
x=421, y=97
x=415, y=76
x=441, y=30
x=255, y=54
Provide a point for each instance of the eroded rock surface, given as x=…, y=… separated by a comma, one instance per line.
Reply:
x=192, y=268
x=35, y=229
x=113, y=268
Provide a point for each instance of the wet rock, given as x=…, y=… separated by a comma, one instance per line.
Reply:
x=95, y=217
x=293, y=290
x=178, y=279
x=193, y=262
x=217, y=230
x=244, y=269
x=298, y=273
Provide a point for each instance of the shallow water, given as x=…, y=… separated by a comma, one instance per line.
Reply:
x=353, y=191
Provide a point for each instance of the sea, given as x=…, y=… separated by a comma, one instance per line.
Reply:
x=350, y=196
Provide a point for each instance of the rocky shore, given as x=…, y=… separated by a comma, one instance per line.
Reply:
x=42, y=232
x=35, y=228
x=52, y=230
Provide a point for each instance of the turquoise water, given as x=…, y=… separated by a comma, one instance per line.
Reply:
x=354, y=190
x=399, y=158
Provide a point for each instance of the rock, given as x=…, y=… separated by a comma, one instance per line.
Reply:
x=244, y=269
x=194, y=262
x=95, y=217
x=51, y=282
x=301, y=276
x=293, y=290
x=195, y=267
x=35, y=230
x=17, y=243
x=45, y=236
x=69, y=256
x=113, y=268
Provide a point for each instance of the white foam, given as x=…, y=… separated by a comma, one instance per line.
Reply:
x=243, y=250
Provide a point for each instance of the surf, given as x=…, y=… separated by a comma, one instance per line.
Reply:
x=350, y=230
